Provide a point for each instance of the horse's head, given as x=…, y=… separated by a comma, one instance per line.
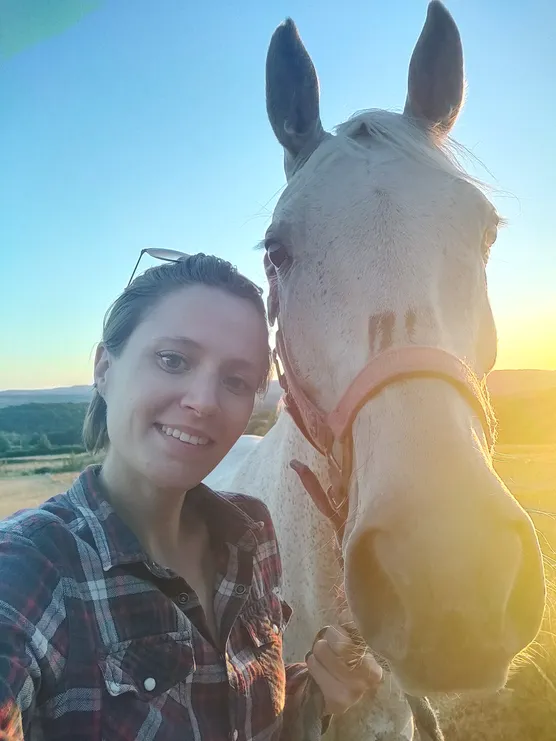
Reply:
x=380, y=241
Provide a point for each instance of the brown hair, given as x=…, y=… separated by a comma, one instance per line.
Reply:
x=142, y=295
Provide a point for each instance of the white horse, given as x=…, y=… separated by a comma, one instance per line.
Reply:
x=380, y=241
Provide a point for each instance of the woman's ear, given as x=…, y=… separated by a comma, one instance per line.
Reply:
x=102, y=365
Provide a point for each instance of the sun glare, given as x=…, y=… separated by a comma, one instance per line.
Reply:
x=527, y=344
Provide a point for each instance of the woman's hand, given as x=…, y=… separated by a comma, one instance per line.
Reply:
x=342, y=669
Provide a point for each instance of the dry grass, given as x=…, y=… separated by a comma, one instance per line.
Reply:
x=21, y=487
x=526, y=709
x=29, y=491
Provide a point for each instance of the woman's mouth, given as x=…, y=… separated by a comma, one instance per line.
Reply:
x=184, y=437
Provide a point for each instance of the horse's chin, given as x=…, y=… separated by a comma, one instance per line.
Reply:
x=420, y=677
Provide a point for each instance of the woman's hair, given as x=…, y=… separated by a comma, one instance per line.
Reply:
x=142, y=295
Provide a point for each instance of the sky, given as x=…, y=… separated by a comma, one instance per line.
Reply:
x=130, y=123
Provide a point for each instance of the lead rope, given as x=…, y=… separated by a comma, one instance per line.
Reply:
x=308, y=726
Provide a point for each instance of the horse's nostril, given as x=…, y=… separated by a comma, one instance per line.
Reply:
x=373, y=597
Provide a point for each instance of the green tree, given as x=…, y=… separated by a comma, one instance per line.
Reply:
x=34, y=439
x=4, y=443
x=30, y=420
x=14, y=439
x=43, y=444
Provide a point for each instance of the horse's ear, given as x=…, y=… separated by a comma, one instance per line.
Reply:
x=436, y=78
x=292, y=91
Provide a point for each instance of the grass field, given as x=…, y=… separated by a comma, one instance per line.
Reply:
x=22, y=487
x=526, y=709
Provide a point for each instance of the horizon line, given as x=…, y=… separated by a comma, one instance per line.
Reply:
x=90, y=385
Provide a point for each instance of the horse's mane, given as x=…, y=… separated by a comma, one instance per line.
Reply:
x=400, y=132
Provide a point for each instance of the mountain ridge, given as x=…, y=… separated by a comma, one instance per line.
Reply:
x=500, y=382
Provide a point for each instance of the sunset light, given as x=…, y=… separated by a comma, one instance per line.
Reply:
x=369, y=544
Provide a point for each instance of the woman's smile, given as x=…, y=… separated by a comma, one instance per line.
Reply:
x=179, y=439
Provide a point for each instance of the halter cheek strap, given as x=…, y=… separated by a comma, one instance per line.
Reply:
x=331, y=433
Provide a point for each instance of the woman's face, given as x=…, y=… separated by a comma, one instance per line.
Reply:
x=183, y=389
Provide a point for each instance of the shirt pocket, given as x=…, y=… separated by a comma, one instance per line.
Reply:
x=264, y=622
x=144, y=675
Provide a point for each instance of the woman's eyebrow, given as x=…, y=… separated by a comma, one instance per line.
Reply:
x=236, y=363
x=181, y=340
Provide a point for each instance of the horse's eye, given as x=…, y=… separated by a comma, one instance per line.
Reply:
x=277, y=253
x=489, y=238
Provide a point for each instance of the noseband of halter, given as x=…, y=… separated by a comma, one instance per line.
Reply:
x=331, y=433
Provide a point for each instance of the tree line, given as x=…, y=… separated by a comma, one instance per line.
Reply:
x=42, y=428
x=46, y=428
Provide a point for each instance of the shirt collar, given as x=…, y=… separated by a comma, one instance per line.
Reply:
x=117, y=544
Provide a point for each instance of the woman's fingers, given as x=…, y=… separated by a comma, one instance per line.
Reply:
x=341, y=642
x=347, y=663
x=338, y=697
x=342, y=669
x=339, y=694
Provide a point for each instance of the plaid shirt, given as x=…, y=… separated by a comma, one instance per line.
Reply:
x=99, y=643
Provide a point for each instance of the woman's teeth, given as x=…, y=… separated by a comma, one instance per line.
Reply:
x=184, y=437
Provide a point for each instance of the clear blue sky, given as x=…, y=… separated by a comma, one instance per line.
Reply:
x=144, y=124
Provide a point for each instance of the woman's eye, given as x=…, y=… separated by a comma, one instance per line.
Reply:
x=237, y=385
x=277, y=253
x=173, y=362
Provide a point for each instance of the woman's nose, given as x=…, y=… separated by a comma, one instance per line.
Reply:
x=201, y=396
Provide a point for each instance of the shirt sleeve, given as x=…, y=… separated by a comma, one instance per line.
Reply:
x=303, y=711
x=304, y=704
x=31, y=612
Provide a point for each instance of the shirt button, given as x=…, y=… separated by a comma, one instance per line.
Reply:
x=183, y=598
x=275, y=628
x=239, y=589
x=149, y=684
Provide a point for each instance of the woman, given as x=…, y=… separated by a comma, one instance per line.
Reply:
x=140, y=604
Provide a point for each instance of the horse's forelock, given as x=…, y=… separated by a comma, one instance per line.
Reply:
x=411, y=139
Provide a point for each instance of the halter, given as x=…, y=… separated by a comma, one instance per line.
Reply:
x=331, y=434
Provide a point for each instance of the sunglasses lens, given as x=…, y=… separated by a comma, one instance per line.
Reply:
x=168, y=256
x=162, y=254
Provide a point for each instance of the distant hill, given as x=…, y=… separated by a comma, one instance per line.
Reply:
x=500, y=383
x=524, y=402
x=78, y=394
x=74, y=394
x=507, y=382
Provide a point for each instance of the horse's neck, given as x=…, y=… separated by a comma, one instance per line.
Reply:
x=306, y=540
x=312, y=571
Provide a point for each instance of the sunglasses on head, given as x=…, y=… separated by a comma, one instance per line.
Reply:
x=168, y=256
x=159, y=254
